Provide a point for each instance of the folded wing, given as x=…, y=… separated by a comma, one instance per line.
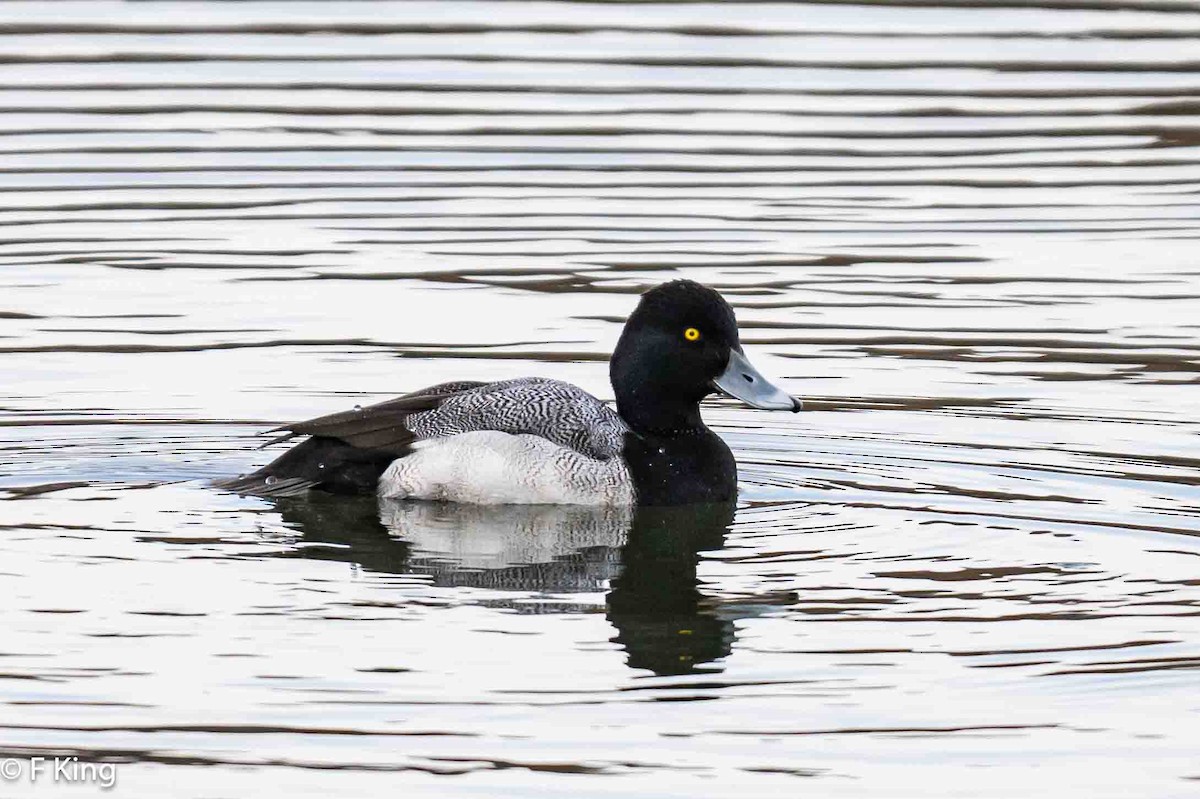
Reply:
x=348, y=450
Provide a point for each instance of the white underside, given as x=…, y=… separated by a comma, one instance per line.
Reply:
x=493, y=468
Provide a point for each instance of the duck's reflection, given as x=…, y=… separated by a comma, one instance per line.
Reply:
x=655, y=602
x=645, y=557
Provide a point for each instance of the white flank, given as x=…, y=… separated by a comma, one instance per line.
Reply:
x=493, y=468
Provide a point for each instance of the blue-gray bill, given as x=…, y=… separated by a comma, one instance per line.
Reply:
x=742, y=381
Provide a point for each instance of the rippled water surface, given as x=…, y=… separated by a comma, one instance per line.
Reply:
x=967, y=233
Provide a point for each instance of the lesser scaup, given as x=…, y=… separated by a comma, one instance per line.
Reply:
x=535, y=440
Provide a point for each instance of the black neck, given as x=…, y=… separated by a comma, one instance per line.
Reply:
x=659, y=416
x=681, y=468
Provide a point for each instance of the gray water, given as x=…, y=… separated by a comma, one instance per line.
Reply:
x=966, y=233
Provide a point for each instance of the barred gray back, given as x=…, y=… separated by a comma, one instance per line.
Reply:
x=557, y=411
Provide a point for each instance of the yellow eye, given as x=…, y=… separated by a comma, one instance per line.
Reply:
x=691, y=334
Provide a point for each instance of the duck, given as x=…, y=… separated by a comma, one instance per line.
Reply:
x=534, y=440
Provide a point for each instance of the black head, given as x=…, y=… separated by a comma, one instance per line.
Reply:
x=680, y=345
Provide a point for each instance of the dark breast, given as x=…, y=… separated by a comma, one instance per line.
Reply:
x=681, y=470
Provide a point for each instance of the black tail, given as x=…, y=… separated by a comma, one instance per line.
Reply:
x=319, y=463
